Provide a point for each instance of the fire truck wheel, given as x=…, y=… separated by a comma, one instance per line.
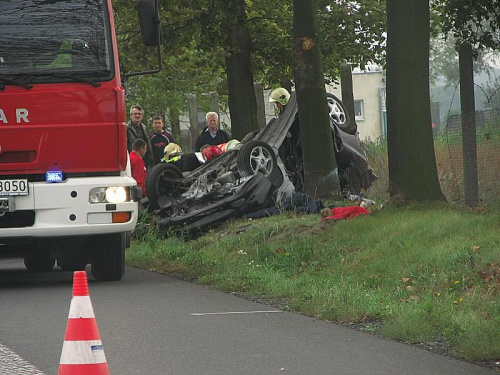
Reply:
x=108, y=257
x=39, y=261
x=72, y=264
x=72, y=255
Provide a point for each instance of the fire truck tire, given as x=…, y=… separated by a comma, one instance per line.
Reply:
x=39, y=261
x=73, y=265
x=108, y=257
x=72, y=255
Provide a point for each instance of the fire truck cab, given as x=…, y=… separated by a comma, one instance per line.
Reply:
x=66, y=191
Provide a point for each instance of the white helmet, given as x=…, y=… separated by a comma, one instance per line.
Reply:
x=279, y=95
x=231, y=144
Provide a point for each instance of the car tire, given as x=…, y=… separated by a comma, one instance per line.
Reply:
x=339, y=115
x=257, y=156
x=153, y=183
x=108, y=257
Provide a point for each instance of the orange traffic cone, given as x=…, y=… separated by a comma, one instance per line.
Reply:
x=82, y=352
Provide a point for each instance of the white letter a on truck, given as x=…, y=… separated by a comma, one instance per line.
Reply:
x=2, y=117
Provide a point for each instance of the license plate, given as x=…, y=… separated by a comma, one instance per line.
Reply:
x=14, y=187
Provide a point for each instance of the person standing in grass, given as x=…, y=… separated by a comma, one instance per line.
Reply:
x=212, y=134
x=159, y=138
x=139, y=149
x=137, y=130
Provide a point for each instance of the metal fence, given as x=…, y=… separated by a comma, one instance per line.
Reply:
x=449, y=159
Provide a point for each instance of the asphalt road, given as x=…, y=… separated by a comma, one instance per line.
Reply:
x=154, y=324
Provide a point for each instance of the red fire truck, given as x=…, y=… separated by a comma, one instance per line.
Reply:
x=66, y=192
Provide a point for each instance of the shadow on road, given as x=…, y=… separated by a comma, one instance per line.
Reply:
x=13, y=274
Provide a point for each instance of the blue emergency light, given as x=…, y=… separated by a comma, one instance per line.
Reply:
x=53, y=176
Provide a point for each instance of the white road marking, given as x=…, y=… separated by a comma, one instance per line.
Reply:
x=13, y=364
x=238, y=312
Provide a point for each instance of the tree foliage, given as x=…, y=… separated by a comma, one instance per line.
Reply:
x=456, y=22
x=186, y=69
x=444, y=60
x=476, y=22
x=195, y=46
x=348, y=31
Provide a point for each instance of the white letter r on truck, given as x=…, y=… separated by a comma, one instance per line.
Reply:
x=21, y=113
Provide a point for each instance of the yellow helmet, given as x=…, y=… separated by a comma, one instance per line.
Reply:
x=279, y=95
x=171, y=150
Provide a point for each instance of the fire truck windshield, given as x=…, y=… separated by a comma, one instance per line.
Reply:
x=55, y=41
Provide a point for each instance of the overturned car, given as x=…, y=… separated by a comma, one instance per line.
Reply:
x=262, y=170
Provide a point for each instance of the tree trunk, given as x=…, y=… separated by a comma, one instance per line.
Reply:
x=242, y=102
x=347, y=91
x=261, y=105
x=320, y=167
x=412, y=162
x=468, y=107
x=173, y=117
x=214, y=102
x=286, y=83
x=194, y=129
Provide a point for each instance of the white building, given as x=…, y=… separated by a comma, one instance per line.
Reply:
x=369, y=102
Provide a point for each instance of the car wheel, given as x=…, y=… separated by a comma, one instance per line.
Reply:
x=257, y=156
x=339, y=115
x=154, y=186
x=108, y=257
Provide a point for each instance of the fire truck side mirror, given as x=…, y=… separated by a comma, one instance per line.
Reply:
x=149, y=21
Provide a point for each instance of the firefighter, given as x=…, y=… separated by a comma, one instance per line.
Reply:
x=280, y=97
x=184, y=161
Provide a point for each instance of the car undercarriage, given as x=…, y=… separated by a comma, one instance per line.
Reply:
x=263, y=169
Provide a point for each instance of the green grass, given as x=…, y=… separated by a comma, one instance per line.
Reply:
x=423, y=274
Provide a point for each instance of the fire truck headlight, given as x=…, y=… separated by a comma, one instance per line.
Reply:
x=112, y=194
x=116, y=194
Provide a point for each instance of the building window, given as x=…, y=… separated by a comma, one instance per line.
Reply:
x=359, y=110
